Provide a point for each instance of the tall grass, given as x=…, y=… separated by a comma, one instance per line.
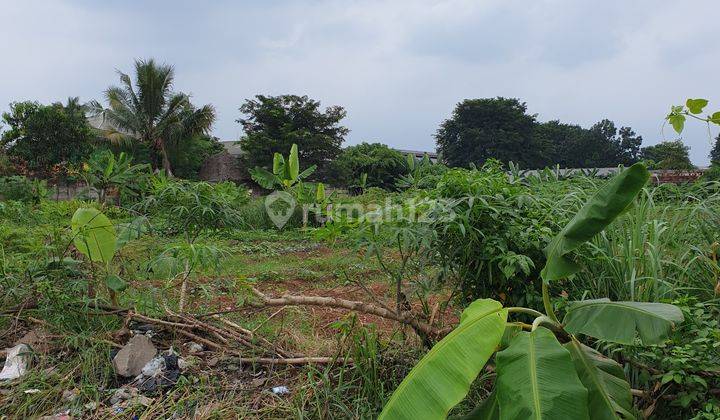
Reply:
x=660, y=249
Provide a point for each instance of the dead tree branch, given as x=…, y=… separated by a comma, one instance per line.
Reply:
x=423, y=329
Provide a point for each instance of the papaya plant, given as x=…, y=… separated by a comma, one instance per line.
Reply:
x=285, y=172
x=543, y=369
x=96, y=238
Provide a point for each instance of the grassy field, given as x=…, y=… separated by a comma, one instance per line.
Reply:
x=74, y=370
x=661, y=250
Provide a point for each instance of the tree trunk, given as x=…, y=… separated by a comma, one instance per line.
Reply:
x=165, y=159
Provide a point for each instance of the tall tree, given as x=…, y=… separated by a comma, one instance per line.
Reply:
x=668, y=155
x=272, y=124
x=559, y=143
x=480, y=129
x=602, y=145
x=42, y=136
x=715, y=152
x=150, y=112
x=629, y=146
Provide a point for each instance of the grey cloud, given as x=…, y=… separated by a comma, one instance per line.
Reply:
x=398, y=67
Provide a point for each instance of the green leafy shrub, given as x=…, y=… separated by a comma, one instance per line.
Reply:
x=20, y=188
x=382, y=165
x=685, y=368
x=495, y=242
x=191, y=208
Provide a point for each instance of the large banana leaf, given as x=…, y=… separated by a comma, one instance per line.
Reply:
x=264, y=178
x=537, y=380
x=278, y=164
x=443, y=377
x=609, y=395
x=489, y=409
x=93, y=234
x=293, y=163
x=621, y=322
x=602, y=208
x=307, y=172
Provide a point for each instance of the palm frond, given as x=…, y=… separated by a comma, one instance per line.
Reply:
x=127, y=84
x=200, y=121
x=94, y=108
x=154, y=84
x=118, y=98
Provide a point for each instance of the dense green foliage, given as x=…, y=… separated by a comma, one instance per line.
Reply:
x=500, y=128
x=533, y=294
x=21, y=188
x=45, y=139
x=188, y=155
x=272, y=124
x=191, y=208
x=104, y=172
x=668, y=155
x=538, y=377
x=660, y=249
x=383, y=166
x=495, y=242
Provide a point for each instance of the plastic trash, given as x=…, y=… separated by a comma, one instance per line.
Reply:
x=280, y=390
x=16, y=362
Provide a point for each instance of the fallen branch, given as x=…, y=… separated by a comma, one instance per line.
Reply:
x=264, y=360
x=421, y=328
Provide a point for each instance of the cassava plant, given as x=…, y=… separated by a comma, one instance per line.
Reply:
x=193, y=209
x=543, y=369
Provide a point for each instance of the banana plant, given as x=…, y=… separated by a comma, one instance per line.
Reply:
x=321, y=206
x=543, y=369
x=415, y=169
x=285, y=172
x=105, y=172
x=360, y=186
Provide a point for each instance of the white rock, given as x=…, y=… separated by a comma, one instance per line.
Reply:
x=131, y=359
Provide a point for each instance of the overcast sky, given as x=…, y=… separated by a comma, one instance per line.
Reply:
x=398, y=67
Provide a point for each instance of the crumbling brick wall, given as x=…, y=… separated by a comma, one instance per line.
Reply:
x=223, y=167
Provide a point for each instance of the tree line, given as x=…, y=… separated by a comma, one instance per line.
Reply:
x=145, y=117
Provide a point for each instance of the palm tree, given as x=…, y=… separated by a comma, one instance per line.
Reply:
x=150, y=112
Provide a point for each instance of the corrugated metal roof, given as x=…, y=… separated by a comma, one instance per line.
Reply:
x=232, y=147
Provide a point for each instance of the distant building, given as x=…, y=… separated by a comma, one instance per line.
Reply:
x=420, y=154
x=232, y=147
